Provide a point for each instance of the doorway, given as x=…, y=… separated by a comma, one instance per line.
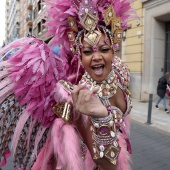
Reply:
x=167, y=48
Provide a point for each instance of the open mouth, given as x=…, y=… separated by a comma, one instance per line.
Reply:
x=98, y=69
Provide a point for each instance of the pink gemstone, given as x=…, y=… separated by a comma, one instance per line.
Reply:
x=111, y=90
x=104, y=91
x=86, y=2
x=89, y=85
x=95, y=48
x=83, y=80
x=106, y=40
x=104, y=129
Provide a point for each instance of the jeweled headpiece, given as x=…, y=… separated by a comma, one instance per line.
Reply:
x=72, y=20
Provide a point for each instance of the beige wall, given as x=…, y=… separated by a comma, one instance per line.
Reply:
x=132, y=50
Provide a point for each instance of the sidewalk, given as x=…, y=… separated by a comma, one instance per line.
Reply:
x=159, y=118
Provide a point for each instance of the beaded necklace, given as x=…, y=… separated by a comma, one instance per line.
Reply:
x=107, y=88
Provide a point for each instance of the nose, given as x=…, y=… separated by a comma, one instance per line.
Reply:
x=96, y=56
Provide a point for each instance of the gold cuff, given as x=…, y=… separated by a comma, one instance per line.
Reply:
x=63, y=110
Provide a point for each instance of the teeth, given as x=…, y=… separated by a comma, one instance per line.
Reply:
x=97, y=66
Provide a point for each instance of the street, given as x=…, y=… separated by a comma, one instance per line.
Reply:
x=151, y=148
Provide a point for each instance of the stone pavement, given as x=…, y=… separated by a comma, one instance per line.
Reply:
x=159, y=118
x=150, y=147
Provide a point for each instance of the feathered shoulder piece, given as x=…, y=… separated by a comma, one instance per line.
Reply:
x=27, y=83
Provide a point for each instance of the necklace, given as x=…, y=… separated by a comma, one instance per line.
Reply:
x=107, y=88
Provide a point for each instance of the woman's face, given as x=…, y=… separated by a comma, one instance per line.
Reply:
x=97, y=63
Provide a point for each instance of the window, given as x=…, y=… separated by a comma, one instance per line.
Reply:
x=30, y=30
x=35, y=13
x=39, y=6
x=35, y=32
x=39, y=28
x=167, y=47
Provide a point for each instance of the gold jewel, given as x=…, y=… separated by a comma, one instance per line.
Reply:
x=115, y=24
x=89, y=21
x=66, y=85
x=63, y=110
x=112, y=153
x=118, y=35
x=73, y=24
x=92, y=38
x=107, y=88
x=71, y=36
x=109, y=15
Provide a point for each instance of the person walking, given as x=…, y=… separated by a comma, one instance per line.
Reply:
x=161, y=91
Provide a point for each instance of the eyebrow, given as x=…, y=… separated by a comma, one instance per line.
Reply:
x=87, y=46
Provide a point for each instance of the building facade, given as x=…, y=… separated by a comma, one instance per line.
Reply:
x=132, y=52
x=39, y=18
x=146, y=48
x=25, y=17
x=12, y=20
x=156, y=47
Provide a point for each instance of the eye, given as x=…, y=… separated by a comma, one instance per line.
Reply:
x=105, y=50
x=87, y=52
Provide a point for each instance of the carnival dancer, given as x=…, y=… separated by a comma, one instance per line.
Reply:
x=69, y=112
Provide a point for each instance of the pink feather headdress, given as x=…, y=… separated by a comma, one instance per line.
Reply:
x=62, y=12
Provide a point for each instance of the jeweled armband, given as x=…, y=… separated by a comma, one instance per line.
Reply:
x=64, y=111
x=105, y=137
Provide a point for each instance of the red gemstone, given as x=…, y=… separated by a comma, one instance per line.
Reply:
x=104, y=130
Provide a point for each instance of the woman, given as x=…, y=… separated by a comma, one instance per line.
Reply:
x=161, y=91
x=70, y=112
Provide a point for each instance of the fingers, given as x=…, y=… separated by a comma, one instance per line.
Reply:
x=75, y=92
x=81, y=96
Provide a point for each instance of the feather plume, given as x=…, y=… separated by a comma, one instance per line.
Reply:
x=18, y=129
x=73, y=153
x=38, y=164
x=57, y=139
x=34, y=70
x=124, y=158
x=89, y=163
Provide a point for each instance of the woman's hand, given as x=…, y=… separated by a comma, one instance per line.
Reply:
x=85, y=102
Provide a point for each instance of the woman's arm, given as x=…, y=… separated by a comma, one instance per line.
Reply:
x=84, y=129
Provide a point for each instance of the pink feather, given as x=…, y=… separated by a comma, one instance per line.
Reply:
x=124, y=158
x=89, y=163
x=57, y=139
x=44, y=157
x=38, y=138
x=18, y=129
x=6, y=91
x=73, y=153
x=4, y=83
x=49, y=155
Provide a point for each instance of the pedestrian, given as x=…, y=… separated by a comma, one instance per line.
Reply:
x=69, y=112
x=161, y=91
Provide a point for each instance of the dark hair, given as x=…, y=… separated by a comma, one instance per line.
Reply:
x=167, y=74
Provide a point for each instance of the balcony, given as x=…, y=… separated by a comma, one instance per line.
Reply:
x=29, y=19
x=29, y=5
x=29, y=22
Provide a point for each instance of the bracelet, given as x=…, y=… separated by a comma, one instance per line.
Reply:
x=63, y=110
x=105, y=139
